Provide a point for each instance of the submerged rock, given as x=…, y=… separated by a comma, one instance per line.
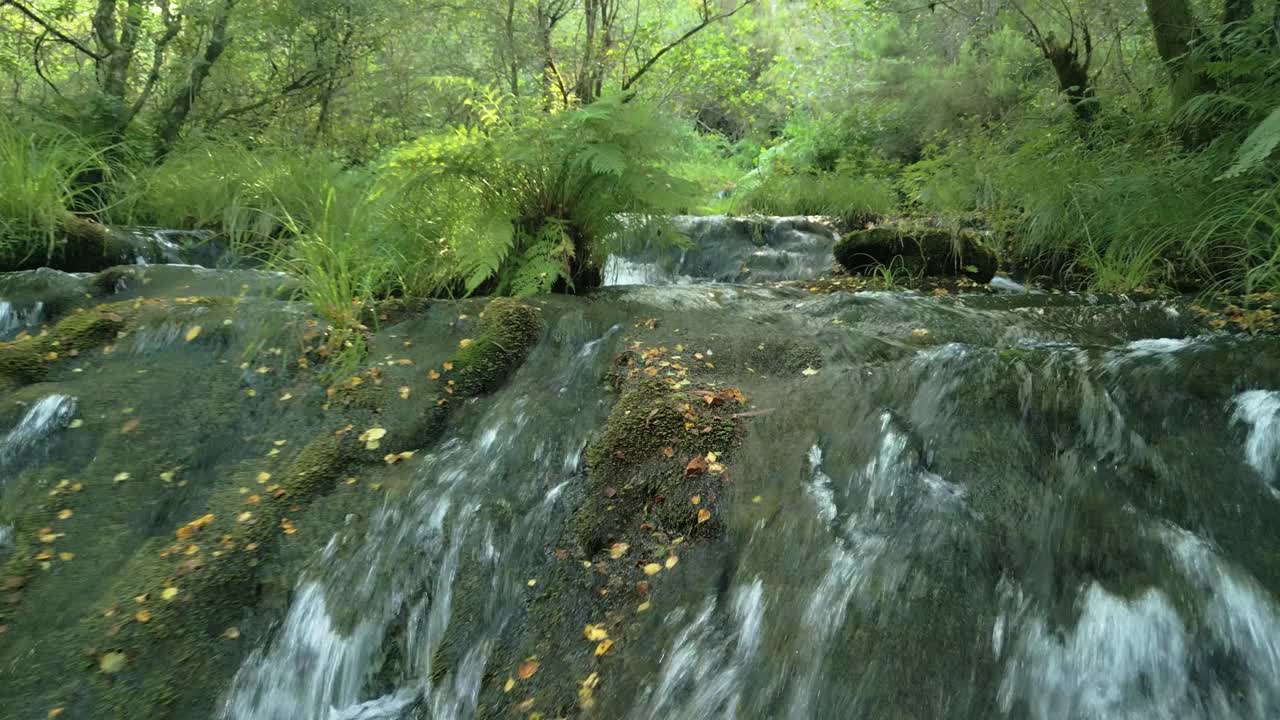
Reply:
x=917, y=250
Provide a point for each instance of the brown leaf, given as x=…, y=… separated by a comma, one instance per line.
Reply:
x=527, y=669
x=697, y=466
x=668, y=452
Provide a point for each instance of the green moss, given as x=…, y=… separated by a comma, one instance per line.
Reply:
x=88, y=329
x=21, y=362
x=508, y=331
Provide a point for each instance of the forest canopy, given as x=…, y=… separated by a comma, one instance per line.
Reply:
x=459, y=146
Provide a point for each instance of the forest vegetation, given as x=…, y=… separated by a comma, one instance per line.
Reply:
x=421, y=148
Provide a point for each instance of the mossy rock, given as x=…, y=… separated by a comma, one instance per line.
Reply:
x=87, y=329
x=508, y=330
x=917, y=250
x=21, y=362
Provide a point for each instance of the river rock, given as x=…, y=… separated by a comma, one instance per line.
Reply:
x=919, y=250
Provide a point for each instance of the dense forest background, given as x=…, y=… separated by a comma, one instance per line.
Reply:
x=423, y=147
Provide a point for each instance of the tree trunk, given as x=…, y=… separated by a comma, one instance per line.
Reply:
x=175, y=116
x=1073, y=79
x=119, y=40
x=1176, y=33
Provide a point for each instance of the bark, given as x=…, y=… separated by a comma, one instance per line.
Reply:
x=119, y=38
x=1176, y=33
x=175, y=115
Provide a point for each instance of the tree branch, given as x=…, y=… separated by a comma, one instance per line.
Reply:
x=707, y=21
x=49, y=28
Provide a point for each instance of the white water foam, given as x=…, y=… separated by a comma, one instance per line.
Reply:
x=1260, y=410
x=50, y=414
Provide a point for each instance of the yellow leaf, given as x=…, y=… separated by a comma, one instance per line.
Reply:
x=447, y=366
x=712, y=457
x=193, y=332
x=109, y=663
x=286, y=397
x=433, y=375
x=64, y=514
x=527, y=669
x=595, y=633
x=919, y=333
x=533, y=582
x=77, y=423
x=652, y=569
x=695, y=500
x=643, y=607
x=618, y=550
x=55, y=712
x=120, y=477
x=66, y=556
x=142, y=616
x=244, y=516
x=511, y=683
x=466, y=343
x=703, y=516
x=405, y=391
x=809, y=372
x=169, y=593
x=603, y=647
x=263, y=477
x=231, y=633
x=671, y=562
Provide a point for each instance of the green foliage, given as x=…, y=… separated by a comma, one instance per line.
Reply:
x=531, y=200
x=46, y=171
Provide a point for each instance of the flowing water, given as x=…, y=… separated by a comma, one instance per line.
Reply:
x=1029, y=506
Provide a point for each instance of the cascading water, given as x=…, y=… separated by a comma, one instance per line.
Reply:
x=1011, y=505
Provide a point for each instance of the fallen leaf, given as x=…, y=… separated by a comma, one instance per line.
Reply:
x=405, y=392
x=652, y=569
x=433, y=375
x=466, y=343
x=511, y=683
x=129, y=426
x=809, y=372
x=394, y=458
x=64, y=514
x=668, y=452
x=919, y=333
x=111, y=663
x=643, y=607
x=77, y=423
x=447, y=366
x=121, y=477
x=695, y=500
x=66, y=556
x=696, y=466
x=286, y=397
x=671, y=562
x=168, y=594
x=55, y=712
x=603, y=647
x=231, y=633
x=372, y=437
x=527, y=669
x=618, y=550
x=142, y=616
x=595, y=633
x=193, y=332
x=703, y=515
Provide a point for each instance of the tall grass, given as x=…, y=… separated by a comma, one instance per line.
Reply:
x=848, y=197
x=45, y=172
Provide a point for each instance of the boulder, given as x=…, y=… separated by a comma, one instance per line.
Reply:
x=918, y=250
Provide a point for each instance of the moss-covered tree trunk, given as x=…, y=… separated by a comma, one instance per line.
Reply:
x=1176, y=34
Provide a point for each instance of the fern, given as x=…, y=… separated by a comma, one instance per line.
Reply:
x=1256, y=148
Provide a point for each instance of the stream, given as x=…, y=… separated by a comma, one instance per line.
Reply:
x=971, y=506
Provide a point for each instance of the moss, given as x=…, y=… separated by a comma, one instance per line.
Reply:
x=917, y=249
x=88, y=329
x=22, y=362
x=508, y=331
